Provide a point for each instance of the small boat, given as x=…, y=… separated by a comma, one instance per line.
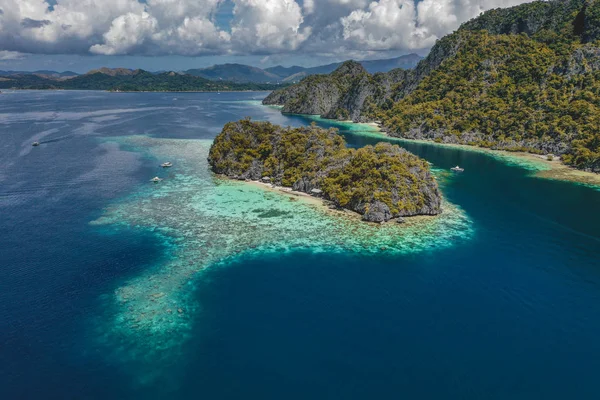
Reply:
x=166, y=164
x=457, y=169
x=156, y=179
x=35, y=144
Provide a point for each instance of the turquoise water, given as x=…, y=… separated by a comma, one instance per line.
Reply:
x=198, y=286
x=207, y=221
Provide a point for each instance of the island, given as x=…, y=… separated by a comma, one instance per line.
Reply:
x=519, y=79
x=381, y=182
x=126, y=80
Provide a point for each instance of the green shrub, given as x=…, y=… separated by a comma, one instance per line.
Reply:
x=311, y=157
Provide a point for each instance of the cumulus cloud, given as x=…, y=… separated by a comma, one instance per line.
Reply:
x=189, y=27
x=438, y=17
x=267, y=26
x=126, y=33
x=384, y=25
x=406, y=25
x=110, y=26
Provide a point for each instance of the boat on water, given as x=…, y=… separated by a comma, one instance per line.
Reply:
x=35, y=144
x=166, y=164
x=457, y=169
x=156, y=179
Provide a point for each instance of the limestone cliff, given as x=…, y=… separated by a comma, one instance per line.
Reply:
x=349, y=93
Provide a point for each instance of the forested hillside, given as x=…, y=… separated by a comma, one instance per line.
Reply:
x=125, y=80
x=524, y=78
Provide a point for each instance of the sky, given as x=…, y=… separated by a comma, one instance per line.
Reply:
x=80, y=35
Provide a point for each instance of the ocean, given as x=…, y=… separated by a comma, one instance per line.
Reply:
x=114, y=287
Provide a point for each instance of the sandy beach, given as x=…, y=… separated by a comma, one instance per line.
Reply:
x=319, y=203
x=323, y=206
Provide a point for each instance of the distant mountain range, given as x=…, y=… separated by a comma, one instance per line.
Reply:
x=216, y=78
x=280, y=74
x=125, y=80
x=235, y=73
x=46, y=73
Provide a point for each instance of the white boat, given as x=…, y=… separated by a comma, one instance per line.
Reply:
x=457, y=169
x=35, y=143
x=166, y=164
x=156, y=179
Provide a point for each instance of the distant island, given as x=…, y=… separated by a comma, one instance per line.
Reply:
x=125, y=80
x=525, y=78
x=380, y=183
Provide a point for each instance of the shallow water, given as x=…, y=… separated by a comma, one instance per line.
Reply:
x=116, y=287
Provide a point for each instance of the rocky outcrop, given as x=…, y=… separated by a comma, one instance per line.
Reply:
x=318, y=94
x=583, y=60
x=377, y=212
x=380, y=183
x=349, y=93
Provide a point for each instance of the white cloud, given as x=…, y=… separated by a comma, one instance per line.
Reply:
x=406, y=25
x=188, y=27
x=126, y=33
x=439, y=17
x=384, y=25
x=266, y=26
x=308, y=6
x=70, y=27
x=6, y=55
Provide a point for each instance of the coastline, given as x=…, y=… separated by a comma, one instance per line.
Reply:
x=317, y=202
x=545, y=169
x=322, y=206
x=554, y=170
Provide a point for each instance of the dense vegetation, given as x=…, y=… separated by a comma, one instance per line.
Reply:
x=509, y=92
x=380, y=182
x=525, y=78
x=138, y=80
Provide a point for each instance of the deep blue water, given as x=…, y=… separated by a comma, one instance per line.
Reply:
x=514, y=313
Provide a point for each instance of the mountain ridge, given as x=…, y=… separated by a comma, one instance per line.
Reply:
x=280, y=74
x=231, y=72
x=235, y=73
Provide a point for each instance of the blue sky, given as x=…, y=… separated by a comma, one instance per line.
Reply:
x=80, y=35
